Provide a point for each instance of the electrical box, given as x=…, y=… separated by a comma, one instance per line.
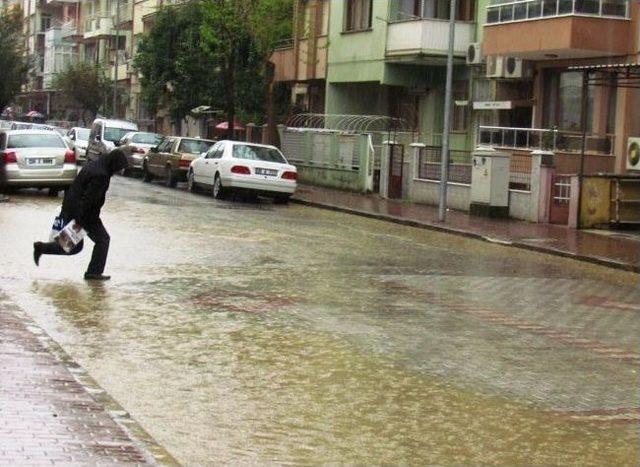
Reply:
x=490, y=183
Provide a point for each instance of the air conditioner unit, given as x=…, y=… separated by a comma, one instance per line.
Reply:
x=513, y=68
x=474, y=54
x=495, y=67
x=633, y=154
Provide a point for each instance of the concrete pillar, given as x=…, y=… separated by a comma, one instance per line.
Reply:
x=542, y=171
x=414, y=166
x=384, y=168
x=574, y=208
x=365, y=153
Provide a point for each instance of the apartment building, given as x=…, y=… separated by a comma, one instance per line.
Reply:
x=302, y=62
x=555, y=41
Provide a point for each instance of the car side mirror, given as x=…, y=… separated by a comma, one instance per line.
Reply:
x=117, y=143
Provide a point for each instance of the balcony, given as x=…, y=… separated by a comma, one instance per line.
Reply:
x=558, y=29
x=427, y=37
x=70, y=30
x=125, y=15
x=284, y=59
x=98, y=26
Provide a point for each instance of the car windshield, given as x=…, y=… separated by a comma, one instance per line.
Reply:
x=21, y=126
x=146, y=138
x=115, y=134
x=258, y=153
x=83, y=134
x=35, y=141
x=194, y=146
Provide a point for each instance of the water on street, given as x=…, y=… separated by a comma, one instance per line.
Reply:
x=247, y=332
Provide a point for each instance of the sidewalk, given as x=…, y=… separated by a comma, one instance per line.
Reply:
x=612, y=249
x=48, y=417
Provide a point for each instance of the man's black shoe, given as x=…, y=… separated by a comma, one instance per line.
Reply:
x=37, y=252
x=95, y=277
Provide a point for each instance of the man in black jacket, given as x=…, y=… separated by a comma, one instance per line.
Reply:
x=82, y=202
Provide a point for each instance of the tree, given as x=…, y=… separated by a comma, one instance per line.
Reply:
x=87, y=85
x=175, y=71
x=14, y=62
x=239, y=33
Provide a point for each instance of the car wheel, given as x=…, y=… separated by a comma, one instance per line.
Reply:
x=146, y=175
x=219, y=192
x=191, y=183
x=281, y=199
x=169, y=178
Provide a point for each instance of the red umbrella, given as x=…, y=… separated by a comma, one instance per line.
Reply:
x=34, y=114
x=237, y=126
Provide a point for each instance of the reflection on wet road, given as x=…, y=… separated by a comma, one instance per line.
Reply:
x=257, y=333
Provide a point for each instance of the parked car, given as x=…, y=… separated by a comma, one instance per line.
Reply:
x=5, y=124
x=135, y=146
x=172, y=158
x=21, y=125
x=104, y=134
x=37, y=158
x=78, y=139
x=236, y=166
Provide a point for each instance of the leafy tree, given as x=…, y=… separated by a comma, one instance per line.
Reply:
x=13, y=61
x=241, y=35
x=176, y=71
x=87, y=85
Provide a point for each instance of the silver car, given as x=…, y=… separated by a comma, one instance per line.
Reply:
x=37, y=158
x=78, y=139
x=135, y=146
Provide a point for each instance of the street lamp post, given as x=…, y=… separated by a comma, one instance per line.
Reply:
x=444, y=160
x=115, y=70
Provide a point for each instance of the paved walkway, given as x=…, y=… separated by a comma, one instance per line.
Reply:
x=613, y=249
x=48, y=417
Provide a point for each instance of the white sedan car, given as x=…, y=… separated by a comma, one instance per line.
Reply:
x=237, y=166
x=37, y=158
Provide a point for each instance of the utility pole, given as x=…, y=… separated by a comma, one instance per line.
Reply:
x=444, y=159
x=115, y=70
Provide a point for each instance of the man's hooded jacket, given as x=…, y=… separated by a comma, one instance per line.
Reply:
x=86, y=195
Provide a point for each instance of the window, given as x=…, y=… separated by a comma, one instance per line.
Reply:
x=115, y=134
x=459, y=112
x=257, y=153
x=146, y=138
x=194, y=146
x=358, y=15
x=35, y=141
x=165, y=146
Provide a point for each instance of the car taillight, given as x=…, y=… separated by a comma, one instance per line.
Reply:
x=290, y=175
x=10, y=157
x=240, y=169
x=184, y=163
x=69, y=157
x=137, y=150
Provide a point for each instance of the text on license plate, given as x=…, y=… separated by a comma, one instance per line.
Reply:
x=269, y=172
x=40, y=161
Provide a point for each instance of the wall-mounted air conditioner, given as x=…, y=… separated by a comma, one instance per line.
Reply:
x=514, y=68
x=633, y=154
x=474, y=54
x=495, y=67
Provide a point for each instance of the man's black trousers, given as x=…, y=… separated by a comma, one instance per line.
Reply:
x=99, y=235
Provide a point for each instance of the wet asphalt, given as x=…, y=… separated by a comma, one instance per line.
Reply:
x=239, y=332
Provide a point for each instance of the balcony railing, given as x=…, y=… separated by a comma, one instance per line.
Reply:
x=525, y=10
x=529, y=139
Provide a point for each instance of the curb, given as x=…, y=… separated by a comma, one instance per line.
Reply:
x=465, y=233
x=137, y=434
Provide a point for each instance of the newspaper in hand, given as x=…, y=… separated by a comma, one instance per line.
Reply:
x=70, y=236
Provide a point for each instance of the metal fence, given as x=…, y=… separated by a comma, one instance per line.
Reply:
x=320, y=148
x=550, y=139
x=520, y=172
x=460, y=163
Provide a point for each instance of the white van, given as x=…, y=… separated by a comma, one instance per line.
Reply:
x=104, y=134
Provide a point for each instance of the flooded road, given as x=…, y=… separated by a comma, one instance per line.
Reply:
x=254, y=333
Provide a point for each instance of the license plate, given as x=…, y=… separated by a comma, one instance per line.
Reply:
x=40, y=161
x=268, y=172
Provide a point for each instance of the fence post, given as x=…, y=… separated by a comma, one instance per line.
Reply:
x=365, y=155
x=542, y=172
x=414, y=167
x=384, y=168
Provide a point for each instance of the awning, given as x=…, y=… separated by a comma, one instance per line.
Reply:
x=237, y=126
x=627, y=75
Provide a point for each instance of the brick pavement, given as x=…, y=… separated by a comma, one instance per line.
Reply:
x=48, y=417
x=618, y=251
